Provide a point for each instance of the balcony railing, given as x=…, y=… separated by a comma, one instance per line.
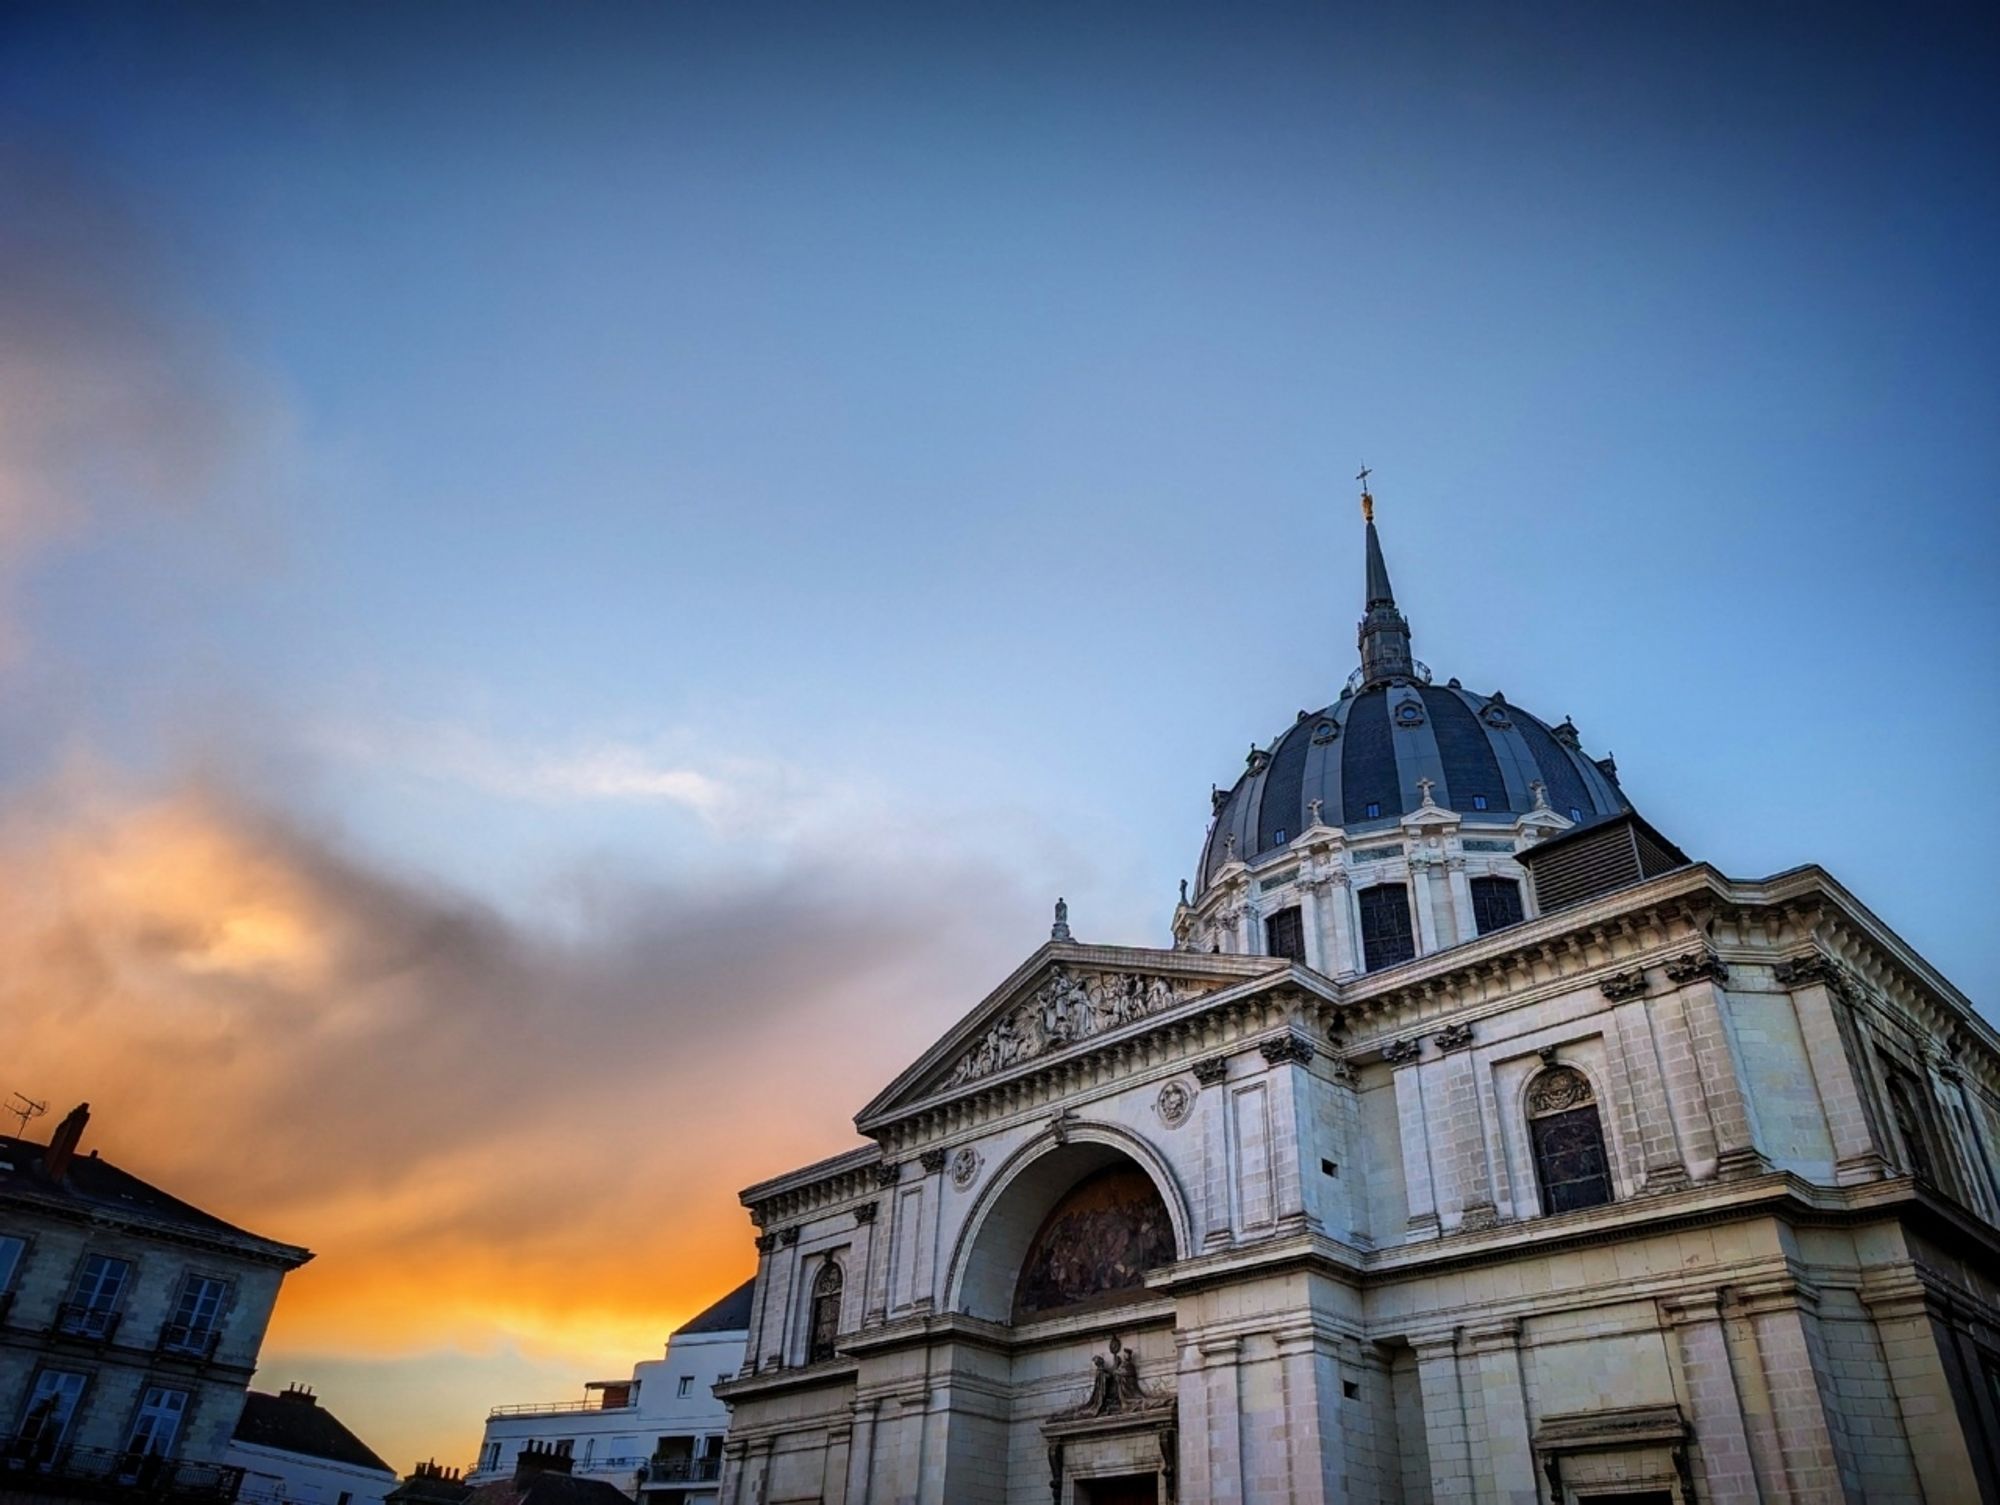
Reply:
x=97, y=1323
x=100, y=1473
x=683, y=1470
x=194, y=1340
x=558, y=1408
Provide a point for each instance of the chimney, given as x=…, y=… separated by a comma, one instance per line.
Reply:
x=62, y=1143
x=300, y=1393
x=542, y=1458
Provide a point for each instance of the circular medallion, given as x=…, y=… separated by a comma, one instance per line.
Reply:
x=964, y=1166
x=1174, y=1104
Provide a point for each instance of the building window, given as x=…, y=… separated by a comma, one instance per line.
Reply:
x=10, y=1261
x=157, y=1424
x=1496, y=903
x=686, y=1386
x=197, y=1315
x=1285, y=934
x=1568, y=1141
x=1479, y=802
x=825, y=1328
x=1374, y=810
x=1278, y=837
x=1386, y=934
x=51, y=1408
x=92, y=1308
x=1912, y=1123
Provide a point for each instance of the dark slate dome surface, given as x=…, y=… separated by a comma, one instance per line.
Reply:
x=1363, y=755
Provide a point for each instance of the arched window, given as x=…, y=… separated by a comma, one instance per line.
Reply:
x=1568, y=1140
x=1387, y=936
x=1496, y=903
x=825, y=1327
x=1905, y=1104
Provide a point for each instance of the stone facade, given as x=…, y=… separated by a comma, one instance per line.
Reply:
x=1783, y=1298
x=1683, y=1190
x=143, y=1346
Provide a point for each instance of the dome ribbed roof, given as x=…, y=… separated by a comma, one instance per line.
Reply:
x=1362, y=757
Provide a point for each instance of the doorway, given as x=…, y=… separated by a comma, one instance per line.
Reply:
x=1128, y=1489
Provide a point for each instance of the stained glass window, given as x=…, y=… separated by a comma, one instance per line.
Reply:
x=1387, y=936
x=1568, y=1140
x=1285, y=935
x=1496, y=902
x=825, y=1313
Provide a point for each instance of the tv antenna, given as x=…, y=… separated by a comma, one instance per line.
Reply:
x=25, y=1108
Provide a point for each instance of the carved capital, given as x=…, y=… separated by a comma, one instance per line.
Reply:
x=1622, y=985
x=866, y=1212
x=789, y=1236
x=1452, y=1036
x=766, y=1242
x=1210, y=1071
x=932, y=1161
x=1396, y=1052
x=1802, y=971
x=1695, y=966
x=1288, y=1049
x=888, y=1173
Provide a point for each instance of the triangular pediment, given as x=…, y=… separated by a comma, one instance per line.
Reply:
x=1061, y=998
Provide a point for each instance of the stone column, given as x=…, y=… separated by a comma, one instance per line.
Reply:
x=861, y=1450
x=1288, y=1056
x=1731, y=1113
x=1315, y=1444
x=1346, y=957
x=1312, y=919
x=1859, y=1152
x=1915, y=1339
x=1807, y=1449
x=1493, y=1351
x=1636, y=1078
x=1469, y=1201
x=1419, y=1194
x=1215, y=1221
x=1721, y=1445
x=1445, y=1435
x=1420, y=896
x=1223, y=1402
x=761, y=1295
x=1461, y=896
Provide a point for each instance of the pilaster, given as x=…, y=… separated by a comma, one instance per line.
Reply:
x=1493, y=1353
x=1721, y=1445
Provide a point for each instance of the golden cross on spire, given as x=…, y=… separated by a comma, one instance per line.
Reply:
x=1367, y=501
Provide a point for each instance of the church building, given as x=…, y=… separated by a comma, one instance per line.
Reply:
x=1469, y=1143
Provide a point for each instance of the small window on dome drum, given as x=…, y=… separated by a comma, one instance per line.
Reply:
x=1285, y=935
x=1496, y=903
x=1387, y=936
x=1373, y=811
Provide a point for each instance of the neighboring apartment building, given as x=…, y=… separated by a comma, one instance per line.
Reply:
x=293, y=1451
x=129, y=1325
x=658, y=1433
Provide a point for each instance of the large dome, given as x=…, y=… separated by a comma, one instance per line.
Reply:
x=1361, y=764
x=1362, y=758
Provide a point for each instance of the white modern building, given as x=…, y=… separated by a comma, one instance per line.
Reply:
x=657, y=1434
x=293, y=1451
x=1470, y=1143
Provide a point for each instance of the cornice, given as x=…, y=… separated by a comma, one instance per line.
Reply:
x=245, y=1246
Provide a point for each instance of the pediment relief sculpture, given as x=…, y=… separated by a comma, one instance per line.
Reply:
x=1070, y=1006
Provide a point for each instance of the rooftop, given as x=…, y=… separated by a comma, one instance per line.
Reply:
x=295, y=1422
x=730, y=1314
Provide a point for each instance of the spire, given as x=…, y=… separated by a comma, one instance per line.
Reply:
x=1384, y=637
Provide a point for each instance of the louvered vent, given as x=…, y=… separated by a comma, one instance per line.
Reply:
x=1597, y=859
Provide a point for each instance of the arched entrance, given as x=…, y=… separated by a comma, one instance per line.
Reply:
x=1069, y=1225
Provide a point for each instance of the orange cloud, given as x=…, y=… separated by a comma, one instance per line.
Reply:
x=493, y=1136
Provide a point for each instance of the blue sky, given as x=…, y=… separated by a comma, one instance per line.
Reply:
x=534, y=449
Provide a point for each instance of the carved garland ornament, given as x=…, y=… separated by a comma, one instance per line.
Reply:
x=1070, y=1006
x=1557, y=1090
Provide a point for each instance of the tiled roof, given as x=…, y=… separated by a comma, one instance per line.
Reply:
x=95, y=1188
x=730, y=1314
x=294, y=1423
